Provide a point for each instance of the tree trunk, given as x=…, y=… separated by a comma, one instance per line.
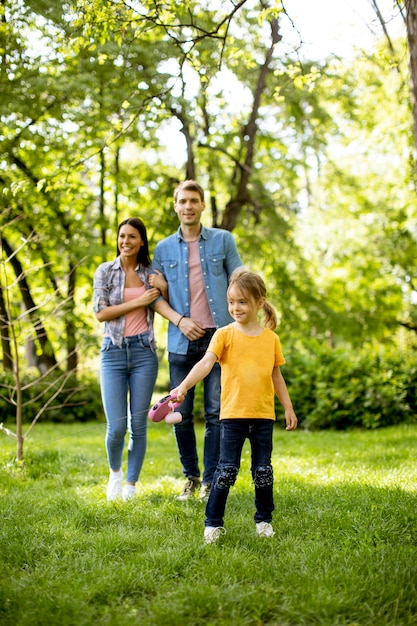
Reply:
x=5, y=334
x=101, y=198
x=411, y=21
x=19, y=418
x=116, y=187
x=47, y=358
x=190, y=171
x=243, y=173
x=72, y=354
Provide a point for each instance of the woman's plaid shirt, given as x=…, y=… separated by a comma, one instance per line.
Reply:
x=109, y=282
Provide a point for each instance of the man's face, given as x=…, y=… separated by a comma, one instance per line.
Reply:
x=189, y=207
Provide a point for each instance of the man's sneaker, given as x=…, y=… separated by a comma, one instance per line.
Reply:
x=128, y=492
x=114, y=486
x=205, y=491
x=189, y=488
x=264, y=529
x=212, y=533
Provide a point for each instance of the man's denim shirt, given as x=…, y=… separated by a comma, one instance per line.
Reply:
x=218, y=256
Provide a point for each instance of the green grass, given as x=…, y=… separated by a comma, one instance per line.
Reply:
x=344, y=553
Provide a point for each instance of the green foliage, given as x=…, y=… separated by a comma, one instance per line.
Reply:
x=330, y=389
x=93, y=91
x=78, y=401
x=342, y=389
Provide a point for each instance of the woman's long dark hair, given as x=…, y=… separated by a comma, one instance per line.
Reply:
x=143, y=255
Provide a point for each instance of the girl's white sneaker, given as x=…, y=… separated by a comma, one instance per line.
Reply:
x=264, y=529
x=212, y=533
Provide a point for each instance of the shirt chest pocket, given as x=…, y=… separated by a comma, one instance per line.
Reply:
x=170, y=270
x=216, y=263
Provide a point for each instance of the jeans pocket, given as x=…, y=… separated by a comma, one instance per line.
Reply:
x=106, y=344
x=144, y=341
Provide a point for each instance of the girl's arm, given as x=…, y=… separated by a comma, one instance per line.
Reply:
x=117, y=310
x=198, y=372
x=284, y=397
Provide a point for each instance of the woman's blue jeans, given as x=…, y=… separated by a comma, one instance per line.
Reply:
x=233, y=433
x=127, y=379
x=179, y=367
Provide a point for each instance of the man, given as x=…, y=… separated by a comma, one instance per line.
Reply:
x=196, y=262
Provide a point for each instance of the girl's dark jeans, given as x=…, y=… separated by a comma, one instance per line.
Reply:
x=233, y=433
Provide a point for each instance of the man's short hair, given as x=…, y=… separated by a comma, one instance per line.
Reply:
x=191, y=185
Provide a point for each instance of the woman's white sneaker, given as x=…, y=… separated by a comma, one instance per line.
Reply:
x=128, y=492
x=114, y=486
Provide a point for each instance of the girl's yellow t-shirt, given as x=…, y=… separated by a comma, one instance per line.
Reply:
x=246, y=365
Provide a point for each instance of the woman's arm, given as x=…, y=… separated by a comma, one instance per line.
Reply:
x=284, y=397
x=157, y=280
x=117, y=310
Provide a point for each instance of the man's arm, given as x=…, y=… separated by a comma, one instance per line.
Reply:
x=232, y=260
x=190, y=328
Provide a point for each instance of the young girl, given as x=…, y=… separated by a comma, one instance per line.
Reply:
x=250, y=357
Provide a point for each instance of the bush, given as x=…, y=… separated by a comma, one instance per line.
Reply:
x=340, y=389
x=330, y=388
x=79, y=401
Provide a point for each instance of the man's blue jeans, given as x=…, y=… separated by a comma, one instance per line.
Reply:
x=233, y=433
x=127, y=375
x=179, y=367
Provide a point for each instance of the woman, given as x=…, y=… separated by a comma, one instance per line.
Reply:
x=129, y=363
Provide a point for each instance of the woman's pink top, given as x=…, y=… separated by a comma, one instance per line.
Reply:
x=136, y=322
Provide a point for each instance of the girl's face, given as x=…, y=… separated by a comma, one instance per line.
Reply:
x=129, y=241
x=242, y=308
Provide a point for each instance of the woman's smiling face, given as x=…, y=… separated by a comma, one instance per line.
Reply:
x=129, y=241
